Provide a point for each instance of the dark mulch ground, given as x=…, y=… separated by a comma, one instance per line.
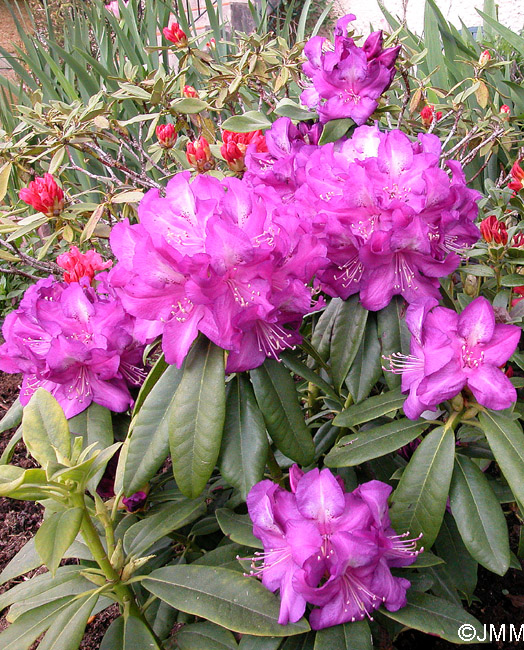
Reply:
x=501, y=599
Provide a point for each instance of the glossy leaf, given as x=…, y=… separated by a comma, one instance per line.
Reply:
x=223, y=597
x=67, y=630
x=197, y=418
x=244, y=443
x=278, y=400
x=389, y=334
x=461, y=566
x=349, y=326
x=370, y=409
x=367, y=366
x=419, y=502
x=350, y=636
x=205, y=635
x=239, y=528
x=45, y=428
x=479, y=517
x=56, y=534
x=373, y=443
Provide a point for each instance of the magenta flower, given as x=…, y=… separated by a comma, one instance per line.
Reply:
x=347, y=80
x=318, y=531
x=216, y=258
x=450, y=352
x=75, y=343
x=392, y=220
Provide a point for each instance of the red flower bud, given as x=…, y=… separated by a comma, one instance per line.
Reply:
x=189, y=91
x=494, y=230
x=518, y=240
x=517, y=174
x=235, y=144
x=79, y=265
x=520, y=292
x=176, y=35
x=505, y=109
x=199, y=155
x=484, y=58
x=166, y=135
x=428, y=114
x=44, y=195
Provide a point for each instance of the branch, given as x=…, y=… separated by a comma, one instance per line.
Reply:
x=49, y=267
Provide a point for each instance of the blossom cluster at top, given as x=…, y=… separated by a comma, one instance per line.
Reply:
x=217, y=258
x=75, y=341
x=329, y=548
x=347, y=80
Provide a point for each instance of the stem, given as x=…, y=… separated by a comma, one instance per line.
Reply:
x=450, y=422
x=274, y=467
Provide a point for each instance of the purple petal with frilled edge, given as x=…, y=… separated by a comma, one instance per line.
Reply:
x=295, y=474
x=179, y=334
x=375, y=494
x=341, y=27
x=319, y=496
x=416, y=314
x=391, y=590
x=476, y=323
x=395, y=154
x=491, y=387
x=292, y=604
x=502, y=344
x=443, y=384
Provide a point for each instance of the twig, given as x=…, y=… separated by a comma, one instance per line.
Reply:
x=471, y=155
x=406, y=96
x=11, y=271
x=49, y=267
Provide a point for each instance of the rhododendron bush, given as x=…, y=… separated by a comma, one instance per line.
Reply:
x=269, y=342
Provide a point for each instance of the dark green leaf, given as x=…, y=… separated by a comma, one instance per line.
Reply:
x=239, y=528
x=419, y=502
x=259, y=642
x=244, y=444
x=197, y=422
x=348, y=331
x=334, y=130
x=205, y=635
x=461, y=566
x=389, y=334
x=277, y=398
x=223, y=597
x=350, y=636
x=370, y=409
x=479, y=517
x=367, y=366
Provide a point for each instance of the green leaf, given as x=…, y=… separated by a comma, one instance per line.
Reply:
x=114, y=637
x=148, y=444
x=29, y=626
x=248, y=642
x=460, y=565
x=150, y=382
x=426, y=559
x=434, y=616
x=350, y=636
x=250, y=121
x=419, y=502
x=244, y=443
x=198, y=413
x=367, y=366
x=27, y=485
x=334, y=130
x=172, y=516
x=389, y=322
x=189, y=105
x=514, y=280
x=349, y=326
x=479, y=517
x=223, y=597
x=13, y=417
x=45, y=428
x=373, y=443
x=370, y=409
x=321, y=338
x=94, y=425
x=506, y=440
x=288, y=108
x=205, y=635
x=56, y=534
x=128, y=634
x=295, y=365
x=239, y=528
x=9, y=449
x=277, y=398
x=67, y=630
x=479, y=270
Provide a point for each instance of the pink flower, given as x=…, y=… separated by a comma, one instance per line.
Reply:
x=189, y=91
x=176, y=35
x=114, y=8
x=44, y=195
x=505, y=111
x=79, y=265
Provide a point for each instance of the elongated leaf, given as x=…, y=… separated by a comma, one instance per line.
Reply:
x=506, y=440
x=223, y=597
x=479, y=517
x=350, y=636
x=370, y=409
x=248, y=642
x=205, y=635
x=197, y=418
x=68, y=628
x=348, y=330
x=389, y=335
x=13, y=417
x=142, y=535
x=435, y=616
x=250, y=121
x=334, y=130
x=239, y=528
x=148, y=444
x=321, y=338
x=45, y=428
x=461, y=566
x=299, y=368
x=138, y=635
x=29, y=626
x=114, y=637
x=94, y=425
x=277, y=398
x=56, y=534
x=367, y=366
x=420, y=499
x=244, y=445
x=373, y=443
x=150, y=382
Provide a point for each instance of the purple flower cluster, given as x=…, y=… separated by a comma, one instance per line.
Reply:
x=217, y=258
x=328, y=548
x=392, y=221
x=346, y=79
x=451, y=351
x=76, y=343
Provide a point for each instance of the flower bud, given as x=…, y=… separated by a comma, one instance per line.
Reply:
x=484, y=58
x=517, y=240
x=189, y=91
x=493, y=230
x=166, y=135
x=505, y=111
x=199, y=155
x=135, y=502
x=517, y=174
x=79, y=265
x=471, y=284
x=44, y=195
x=428, y=114
x=235, y=144
x=176, y=35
